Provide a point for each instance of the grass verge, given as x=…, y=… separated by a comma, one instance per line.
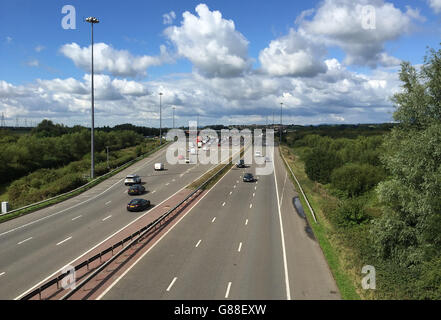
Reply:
x=93, y=183
x=334, y=254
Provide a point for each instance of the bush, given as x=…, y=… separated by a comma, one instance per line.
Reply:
x=354, y=179
x=350, y=212
x=320, y=163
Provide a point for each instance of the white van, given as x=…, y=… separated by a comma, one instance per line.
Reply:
x=159, y=166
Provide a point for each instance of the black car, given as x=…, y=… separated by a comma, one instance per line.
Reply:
x=138, y=205
x=136, y=189
x=248, y=177
x=240, y=164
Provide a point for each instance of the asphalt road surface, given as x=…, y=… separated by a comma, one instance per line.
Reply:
x=241, y=241
x=35, y=246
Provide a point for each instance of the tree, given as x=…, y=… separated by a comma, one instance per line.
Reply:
x=354, y=179
x=410, y=230
x=320, y=163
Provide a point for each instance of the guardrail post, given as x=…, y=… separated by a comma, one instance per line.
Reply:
x=39, y=293
x=112, y=250
x=87, y=264
x=58, y=285
x=100, y=258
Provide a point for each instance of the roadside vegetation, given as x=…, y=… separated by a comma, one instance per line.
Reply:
x=53, y=159
x=378, y=193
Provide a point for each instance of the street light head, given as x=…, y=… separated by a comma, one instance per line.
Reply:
x=160, y=93
x=92, y=20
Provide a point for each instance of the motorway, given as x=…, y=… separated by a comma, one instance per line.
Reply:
x=241, y=241
x=37, y=245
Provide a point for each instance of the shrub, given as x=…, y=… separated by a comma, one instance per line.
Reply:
x=350, y=212
x=354, y=179
x=320, y=163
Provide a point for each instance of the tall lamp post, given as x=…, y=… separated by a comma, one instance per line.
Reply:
x=92, y=21
x=173, y=117
x=280, y=128
x=160, y=118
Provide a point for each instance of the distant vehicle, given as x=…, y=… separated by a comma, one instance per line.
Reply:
x=159, y=166
x=240, y=164
x=136, y=189
x=199, y=144
x=267, y=159
x=248, y=177
x=180, y=157
x=132, y=179
x=205, y=148
x=138, y=205
x=187, y=160
x=258, y=154
x=192, y=151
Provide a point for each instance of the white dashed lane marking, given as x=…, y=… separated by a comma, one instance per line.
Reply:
x=172, y=283
x=23, y=241
x=228, y=290
x=67, y=239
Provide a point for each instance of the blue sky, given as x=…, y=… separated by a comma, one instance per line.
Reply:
x=270, y=53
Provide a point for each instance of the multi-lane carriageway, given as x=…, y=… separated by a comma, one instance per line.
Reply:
x=241, y=240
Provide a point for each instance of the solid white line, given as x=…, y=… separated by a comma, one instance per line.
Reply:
x=2, y=273
x=153, y=191
x=108, y=202
x=67, y=239
x=106, y=218
x=73, y=219
x=223, y=204
x=240, y=247
x=25, y=240
x=98, y=244
x=74, y=206
x=154, y=244
x=246, y=221
x=197, y=244
x=231, y=192
x=251, y=205
x=255, y=187
x=213, y=219
x=228, y=290
x=172, y=283
x=253, y=194
x=285, y=264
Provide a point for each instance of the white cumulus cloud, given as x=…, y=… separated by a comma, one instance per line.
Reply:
x=293, y=55
x=211, y=43
x=343, y=23
x=108, y=59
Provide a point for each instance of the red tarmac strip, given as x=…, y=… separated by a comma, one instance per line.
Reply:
x=105, y=278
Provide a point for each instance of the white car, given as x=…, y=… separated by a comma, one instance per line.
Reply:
x=187, y=160
x=258, y=154
x=132, y=179
x=159, y=166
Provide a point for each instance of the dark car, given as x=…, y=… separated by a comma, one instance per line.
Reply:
x=248, y=177
x=136, y=189
x=138, y=205
x=240, y=164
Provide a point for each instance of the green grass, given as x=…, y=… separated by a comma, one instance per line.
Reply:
x=322, y=230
